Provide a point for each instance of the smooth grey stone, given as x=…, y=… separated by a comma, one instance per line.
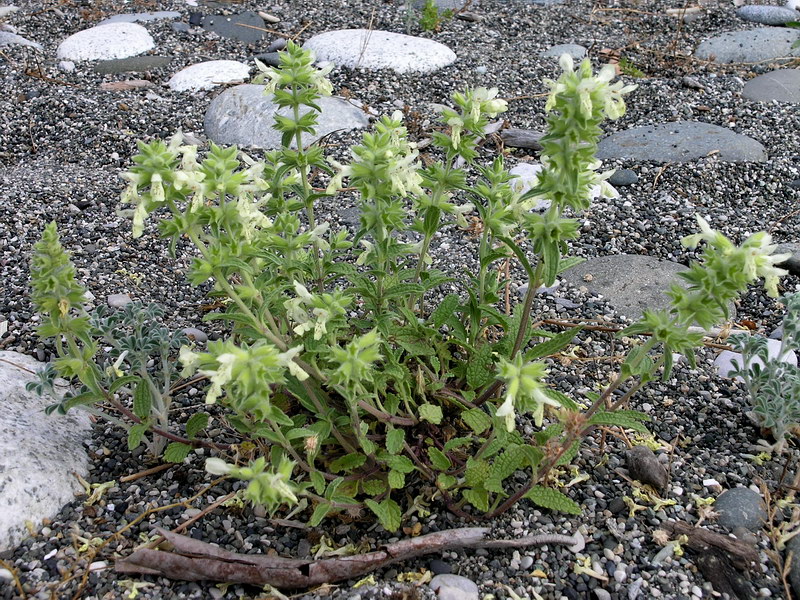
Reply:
x=768, y=15
x=469, y=16
x=243, y=115
x=135, y=64
x=792, y=264
x=623, y=177
x=237, y=27
x=782, y=85
x=12, y=39
x=682, y=141
x=752, y=45
x=39, y=453
x=576, y=51
x=454, y=587
x=141, y=17
x=740, y=507
x=276, y=45
x=118, y=300
x=631, y=283
x=195, y=334
x=440, y=567
x=271, y=59
x=522, y=138
x=180, y=27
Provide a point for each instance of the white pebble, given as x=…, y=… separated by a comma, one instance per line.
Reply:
x=620, y=575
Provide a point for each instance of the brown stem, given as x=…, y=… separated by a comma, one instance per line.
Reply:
x=386, y=417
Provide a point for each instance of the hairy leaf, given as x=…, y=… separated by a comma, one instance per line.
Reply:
x=388, y=513
x=176, y=452
x=552, y=499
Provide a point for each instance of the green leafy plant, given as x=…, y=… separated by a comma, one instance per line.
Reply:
x=430, y=19
x=773, y=383
x=138, y=362
x=345, y=363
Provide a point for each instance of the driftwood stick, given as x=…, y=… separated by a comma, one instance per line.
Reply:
x=194, y=560
x=741, y=554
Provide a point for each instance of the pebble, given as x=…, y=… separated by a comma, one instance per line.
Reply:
x=454, y=587
x=118, y=300
x=724, y=362
x=209, y=74
x=767, y=15
x=576, y=51
x=782, y=85
x=750, y=46
x=623, y=177
x=740, y=507
x=12, y=39
x=195, y=334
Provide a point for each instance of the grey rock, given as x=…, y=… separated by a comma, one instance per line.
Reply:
x=193, y=333
x=375, y=49
x=782, y=85
x=7, y=10
x=792, y=264
x=134, y=64
x=602, y=594
x=441, y=4
x=243, y=115
x=682, y=141
x=793, y=546
x=644, y=466
x=454, y=587
x=740, y=507
x=180, y=27
x=522, y=138
x=631, y=283
x=752, y=45
x=469, y=16
x=118, y=300
x=768, y=15
x=38, y=452
x=576, y=51
x=276, y=45
x=623, y=177
x=141, y=17
x=12, y=39
x=237, y=27
x=440, y=567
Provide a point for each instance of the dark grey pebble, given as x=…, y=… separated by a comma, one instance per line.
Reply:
x=440, y=567
x=740, y=507
x=623, y=177
x=271, y=59
x=644, y=466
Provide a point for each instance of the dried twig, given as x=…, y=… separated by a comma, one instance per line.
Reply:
x=194, y=560
x=743, y=555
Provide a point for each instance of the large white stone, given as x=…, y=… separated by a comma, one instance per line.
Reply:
x=39, y=453
x=355, y=48
x=244, y=116
x=526, y=176
x=206, y=75
x=103, y=42
x=724, y=360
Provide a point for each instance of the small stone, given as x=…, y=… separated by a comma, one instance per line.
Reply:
x=635, y=589
x=602, y=594
x=521, y=138
x=8, y=38
x=740, y=507
x=576, y=51
x=209, y=74
x=277, y=45
x=6, y=575
x=526, y=562
x=620, y=574
x=623, y=177
x=767, y=15
x=271, y=59
x=454, y=587
x=67, y=66
x=644, y=466
x=118, y=300
x=725, y=359
x=697, y=592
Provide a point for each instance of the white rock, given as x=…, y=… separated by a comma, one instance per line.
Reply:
x=527, y=175
x=141, y=17
x=355, y=48
x=206, y=75
x=12, y=39
x=7, y=10
x=38, y=452
x=454, y=587
x=103, y=42
x=724, y=361
x=66, y=65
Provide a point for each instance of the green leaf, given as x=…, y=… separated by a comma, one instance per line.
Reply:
x=397, y=480
x=399, y=463
x=507, y=463
x=373, y=487
x=394, y=440
x=552, y=499
x=196, y=423
x=348, y=462
x=552, y=257
x=404, y=290
x=431, y=413
x=176, y=452
x=445, y=482
x=567, y=263
x=479, y=368
x=80, y=399
x=477, y=420
x=122, y=381
x=142, y=399
x=135, y=435
x=617, y=419
x=553, y=345
x=322, y=510
x=457, y=443
x=388, y=513
x=439, y=459
x=477, y=472
x=567, y=457
x=445, y=309
x=478, y=498
x=318, y=481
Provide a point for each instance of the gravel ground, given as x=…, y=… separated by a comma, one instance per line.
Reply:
x=63, y=142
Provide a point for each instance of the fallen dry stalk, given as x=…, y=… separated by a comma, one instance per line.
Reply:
x=193, y=560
